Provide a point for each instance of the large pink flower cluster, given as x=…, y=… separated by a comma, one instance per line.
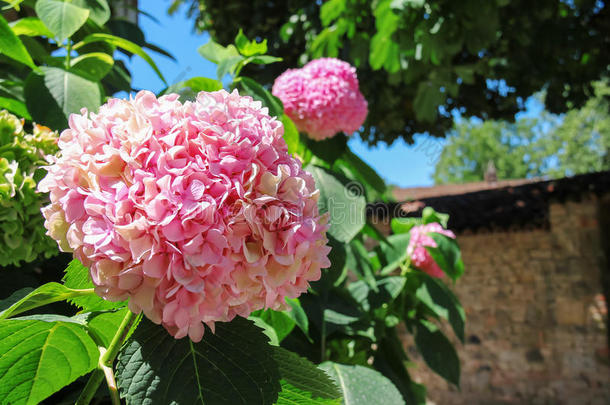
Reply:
x=416, y=250
x=322, y=98
x=195, y=212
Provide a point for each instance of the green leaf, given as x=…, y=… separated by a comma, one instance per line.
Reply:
x=331, y=10
x=404, y=225
x=439, y=298
x=291, y=134
x=437, y=351
x=93, y=66
x=77, y=276
x=43, y=108
x=215, y=53
x=361, y=385
x=258, y=92
x=388, y=289
x=62, y=18
x=233, y=365
x=298, y=315
x=43, y=295
x=99, y=11
x=280, y=321
x=360, y=263
x=427, y=100
x=16, y=107
x=14, y=297
x=363, y=173
x=303, y=382
x=38, y=358
x=268, y=330
x=105, y=324
x=31, y=27
x=11, y=45
x=447, y=255
x=264, y=59
x=346, y=205
x=188, y=89
x=393, y=253
x=71, y=92
x=430, y=216
x=123, y=44
x=249, y=48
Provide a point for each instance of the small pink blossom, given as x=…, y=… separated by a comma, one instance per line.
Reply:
x=323, y=98
x=416, y=250
x=195, y=212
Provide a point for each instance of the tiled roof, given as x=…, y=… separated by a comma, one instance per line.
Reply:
x=504, y=204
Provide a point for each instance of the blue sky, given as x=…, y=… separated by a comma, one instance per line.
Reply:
x=400, y=164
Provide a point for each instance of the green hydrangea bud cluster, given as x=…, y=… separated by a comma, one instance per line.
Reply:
x=22, y=155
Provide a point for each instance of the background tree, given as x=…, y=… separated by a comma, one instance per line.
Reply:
x=420, y=60
x=548, y=145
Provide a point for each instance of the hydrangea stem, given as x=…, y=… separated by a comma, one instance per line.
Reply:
x=107, y=356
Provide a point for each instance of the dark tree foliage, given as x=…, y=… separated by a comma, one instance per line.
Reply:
x=420, y=60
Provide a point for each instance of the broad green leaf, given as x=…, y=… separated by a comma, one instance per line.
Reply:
x=391, y=361
x=388, y=289
x=264, y=59
x=105, y=323
x=233, y=365
x=93, y=66
x=331, y=149
x=363, y=173
x=43, y=295
x=337, y=273
x=11, y=45
x=447, y=255
x=280, y=321
x=229, y=66
x=249, y=48
x=360, y=263
x=427, y=100
x=303, y=382
x=77, y=276
x=439, y=298
x=258, y=92
x=62, y=18
x=16, y=107
x=331, y=10
x=216, y=53
x=99, y=11
x=268, y=330
x=404, y=225
x=393, y=253
x=437, y=351
x=291, y=134
x=41, y=104
x=71, y=91
x=345, y=204
x=430, y=216
x=31, y=27
x=123, y=44
x=298, y=315
x=14, y=297
x=188, y=89
x=361, y=385
x=38, y=358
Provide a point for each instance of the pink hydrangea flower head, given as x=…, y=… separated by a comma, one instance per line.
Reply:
x=195, y=212
x=323, y=98
x=416, y=250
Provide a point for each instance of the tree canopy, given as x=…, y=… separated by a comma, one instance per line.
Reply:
x=418, y=61
x=548, y=145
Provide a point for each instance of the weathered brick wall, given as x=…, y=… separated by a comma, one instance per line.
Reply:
x=533, y=332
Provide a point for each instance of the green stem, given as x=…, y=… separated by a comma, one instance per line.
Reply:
x=117, y=341
x=68, y=51
x=106, y=360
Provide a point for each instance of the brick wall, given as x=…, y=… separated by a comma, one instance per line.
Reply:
x=533, y=330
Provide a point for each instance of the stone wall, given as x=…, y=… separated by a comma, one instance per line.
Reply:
x=532, y=300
